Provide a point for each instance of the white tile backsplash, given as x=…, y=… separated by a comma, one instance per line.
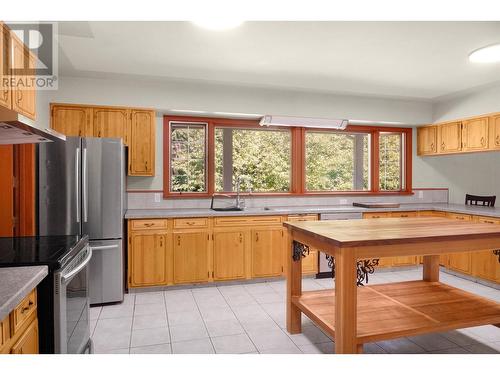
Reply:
x=145, y=200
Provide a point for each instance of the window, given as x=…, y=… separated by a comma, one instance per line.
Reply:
x=391, y=155
x=260, y=157
x=203, y=156
x=337, y=161
x=188, y=157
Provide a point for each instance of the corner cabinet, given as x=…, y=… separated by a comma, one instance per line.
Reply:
x=427, y=140
x=135, y=126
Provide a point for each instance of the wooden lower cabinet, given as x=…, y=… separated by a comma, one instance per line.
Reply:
x=267, y=252
x=190, y=257
x=229, y=255
x=19, y=330
x=148, y=258
x=310, y=262
x=485, y=264
x=460, y=262
x=28, y=342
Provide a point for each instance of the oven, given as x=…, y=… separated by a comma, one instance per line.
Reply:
x=71, y=304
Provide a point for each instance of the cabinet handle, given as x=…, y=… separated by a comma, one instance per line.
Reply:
x=179, y=240
x=442, y=146
x=161, y=241
x=241, y=238
x=190, y=222
x=5, y=94
x=482, y=141
x=146, y=164
x=256, y=236
x=148, y=224
x=432, y=146
x=19, y=96
x=497, y=140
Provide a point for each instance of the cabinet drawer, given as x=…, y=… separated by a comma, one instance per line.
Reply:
x=455, y=216
x=432, y=214
x=196, y=222
x=23, y=311
x=404, y=214
x=376, y=215
x=149, y=224
x=311, y=217
x=487, y=220
x=246, y=220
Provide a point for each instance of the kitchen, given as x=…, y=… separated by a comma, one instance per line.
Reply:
x=244, y=203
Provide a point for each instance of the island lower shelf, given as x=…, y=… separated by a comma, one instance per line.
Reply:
x=388, y=311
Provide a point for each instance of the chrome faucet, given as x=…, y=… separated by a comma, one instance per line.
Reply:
x=240, y=202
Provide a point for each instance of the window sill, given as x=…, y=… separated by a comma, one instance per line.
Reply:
x=306, y=194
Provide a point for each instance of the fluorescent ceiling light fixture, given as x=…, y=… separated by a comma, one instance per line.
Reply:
x=488, y=54
x=185, y=111
x=236, y=114
x=304, y=122
x=218, y=24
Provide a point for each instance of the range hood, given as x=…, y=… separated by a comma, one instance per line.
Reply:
x=18, y=129
x=305, y=122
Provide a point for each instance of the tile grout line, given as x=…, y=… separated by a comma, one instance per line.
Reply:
x=203, y=320
x=168, y=322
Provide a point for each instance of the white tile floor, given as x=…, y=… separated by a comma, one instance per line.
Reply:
x=250, y=318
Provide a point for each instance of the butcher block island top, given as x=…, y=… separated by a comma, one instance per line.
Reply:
x=353, y=315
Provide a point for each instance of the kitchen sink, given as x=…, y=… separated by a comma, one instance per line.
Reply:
x=231, y=208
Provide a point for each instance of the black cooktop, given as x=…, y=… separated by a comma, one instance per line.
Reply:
x=53, y=251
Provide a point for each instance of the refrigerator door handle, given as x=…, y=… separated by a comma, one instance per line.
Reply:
x=85, y=187
x=77, y=183
x=104, y=247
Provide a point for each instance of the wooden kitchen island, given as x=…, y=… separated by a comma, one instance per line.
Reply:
x=353, y=314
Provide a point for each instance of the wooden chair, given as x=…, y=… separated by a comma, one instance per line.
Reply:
x=478, y=200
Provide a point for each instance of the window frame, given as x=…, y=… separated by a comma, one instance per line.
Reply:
x=298, y=180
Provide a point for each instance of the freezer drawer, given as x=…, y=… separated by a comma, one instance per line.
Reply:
x=106, y=272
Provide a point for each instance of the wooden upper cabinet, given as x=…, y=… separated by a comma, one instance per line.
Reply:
x=73, y=121
x=112, y=123
x=450, y=137
x=475, y=134
x=427, y=140
x=142, y=143
x=5, y=93
x=495, y=132
x=23, y=100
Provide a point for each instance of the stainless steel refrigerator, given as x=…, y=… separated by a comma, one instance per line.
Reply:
x=82, y=191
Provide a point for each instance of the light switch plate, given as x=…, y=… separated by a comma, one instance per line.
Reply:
x=157, y=197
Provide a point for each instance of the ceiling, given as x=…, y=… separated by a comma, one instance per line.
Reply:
x=423, y=60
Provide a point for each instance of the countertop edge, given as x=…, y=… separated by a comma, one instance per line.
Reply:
x=202, y=212
x=28, y=284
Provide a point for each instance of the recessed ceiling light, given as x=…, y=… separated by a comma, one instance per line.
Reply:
x=488, y=54
x=218, y=24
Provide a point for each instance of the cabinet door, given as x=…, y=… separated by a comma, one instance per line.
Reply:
x=267, y=252
x=5, y=93
x=484, y=263
x=190, y=257
x=495, y=132
x=23, y=99
x=426, y=140
x=475, y=134
x=450, y=137
x=112, y=123
x=28, y=342
x=229, y=255
x=142, y=143
x=72, y=121
x=147, y=259
x=460, y=262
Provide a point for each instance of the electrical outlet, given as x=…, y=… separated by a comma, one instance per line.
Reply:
x=157, y=197
x=343, y=201
x=420, y=194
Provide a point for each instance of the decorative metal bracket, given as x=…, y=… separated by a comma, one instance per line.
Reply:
x=299, y=251
x=363, y=268
x=497, y=253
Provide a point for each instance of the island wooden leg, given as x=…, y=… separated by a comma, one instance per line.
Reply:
x=293, y=289
x=345, y=302
x=431, y=268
